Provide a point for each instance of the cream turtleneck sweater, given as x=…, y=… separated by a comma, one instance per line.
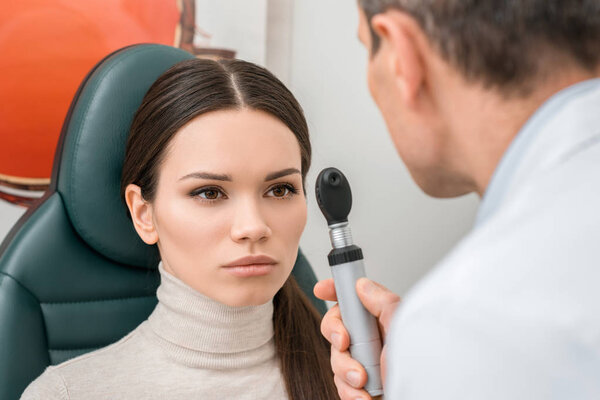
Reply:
x=190, y=347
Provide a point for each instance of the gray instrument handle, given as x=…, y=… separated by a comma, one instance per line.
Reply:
x=365, y=340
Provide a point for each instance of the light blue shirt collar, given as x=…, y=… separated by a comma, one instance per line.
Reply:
x=501, y=179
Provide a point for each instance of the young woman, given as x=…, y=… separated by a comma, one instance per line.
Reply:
x=214, y=176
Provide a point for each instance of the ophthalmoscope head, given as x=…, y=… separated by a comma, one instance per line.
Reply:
x=333, y=196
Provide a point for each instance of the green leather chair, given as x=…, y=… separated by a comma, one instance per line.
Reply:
x=74, y=276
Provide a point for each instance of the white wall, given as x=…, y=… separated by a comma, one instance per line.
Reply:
x=239, y=25
x=403, y=232
x=9, y=214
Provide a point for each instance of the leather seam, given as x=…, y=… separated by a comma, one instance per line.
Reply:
x=21, y=285
x=58, y=303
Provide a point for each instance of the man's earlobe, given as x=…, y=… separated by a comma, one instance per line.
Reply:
x=141, y=214
x=399, y=34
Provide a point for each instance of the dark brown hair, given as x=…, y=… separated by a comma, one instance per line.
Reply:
x=195, y=87
x=508, y=45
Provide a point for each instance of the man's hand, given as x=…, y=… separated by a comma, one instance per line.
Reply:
x=349, y=375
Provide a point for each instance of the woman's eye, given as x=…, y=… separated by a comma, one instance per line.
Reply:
x=282, y=191
x=209, y=194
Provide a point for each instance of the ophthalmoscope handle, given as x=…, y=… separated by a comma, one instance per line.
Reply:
x=365, y=340
x=346, y=260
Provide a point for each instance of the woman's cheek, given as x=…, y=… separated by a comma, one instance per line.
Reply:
x=293, y=225
x=299, y=222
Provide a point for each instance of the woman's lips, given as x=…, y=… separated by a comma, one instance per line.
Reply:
x=251, y=266
x=250, y=270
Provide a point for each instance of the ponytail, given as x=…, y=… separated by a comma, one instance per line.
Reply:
x=303, y=352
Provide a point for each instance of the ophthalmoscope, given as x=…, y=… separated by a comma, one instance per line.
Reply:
x=346, y=260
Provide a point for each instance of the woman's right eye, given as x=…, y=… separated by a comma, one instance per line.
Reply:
x=208, y=194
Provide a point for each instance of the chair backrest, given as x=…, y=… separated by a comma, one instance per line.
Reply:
x=74, y=276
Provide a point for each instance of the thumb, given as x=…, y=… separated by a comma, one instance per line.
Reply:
x=379, y=301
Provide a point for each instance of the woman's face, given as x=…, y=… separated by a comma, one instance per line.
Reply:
x=229, y=208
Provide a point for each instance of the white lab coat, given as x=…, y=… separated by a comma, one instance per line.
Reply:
x=514, y=311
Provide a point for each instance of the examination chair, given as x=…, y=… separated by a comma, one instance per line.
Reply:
x=74, y=276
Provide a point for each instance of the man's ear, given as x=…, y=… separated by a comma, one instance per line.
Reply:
x=399, y=36
x=141, y=214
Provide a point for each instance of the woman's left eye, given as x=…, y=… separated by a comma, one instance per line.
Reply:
x=282, y=191
x=208, y=194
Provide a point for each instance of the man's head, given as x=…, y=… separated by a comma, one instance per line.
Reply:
x=421, y=48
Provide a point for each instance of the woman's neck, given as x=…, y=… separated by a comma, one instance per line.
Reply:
x=192, y=322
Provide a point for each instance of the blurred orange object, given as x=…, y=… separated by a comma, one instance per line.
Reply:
x=46, y=49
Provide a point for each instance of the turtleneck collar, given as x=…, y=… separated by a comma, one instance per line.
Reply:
x=202, y=332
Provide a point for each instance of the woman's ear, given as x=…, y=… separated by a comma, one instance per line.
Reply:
x=141, y=214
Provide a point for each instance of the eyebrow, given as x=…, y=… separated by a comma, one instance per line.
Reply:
x=207, y=175
x=227, y=178
x=279, y=174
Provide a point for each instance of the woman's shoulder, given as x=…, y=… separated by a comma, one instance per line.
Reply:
x=55, y=381
x=48, y=386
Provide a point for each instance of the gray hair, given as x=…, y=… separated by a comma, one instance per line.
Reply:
x=504, y=44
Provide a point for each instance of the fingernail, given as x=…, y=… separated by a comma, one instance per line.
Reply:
x=336, y=340
x=353, y=378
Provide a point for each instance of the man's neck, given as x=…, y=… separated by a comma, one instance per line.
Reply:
x=484, y=122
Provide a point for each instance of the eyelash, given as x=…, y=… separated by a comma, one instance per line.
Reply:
x=292, y=191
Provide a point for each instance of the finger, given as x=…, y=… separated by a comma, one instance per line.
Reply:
x=333, y=329
x=348, y=369
x=347, y=392
x=325, y=290
x=379, y=301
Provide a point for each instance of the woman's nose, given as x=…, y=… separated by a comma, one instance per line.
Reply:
x=249, y=224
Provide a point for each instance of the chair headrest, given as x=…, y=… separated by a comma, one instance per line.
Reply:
x=90, y=153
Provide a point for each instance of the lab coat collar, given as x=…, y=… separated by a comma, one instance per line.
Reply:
x=565, y=124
